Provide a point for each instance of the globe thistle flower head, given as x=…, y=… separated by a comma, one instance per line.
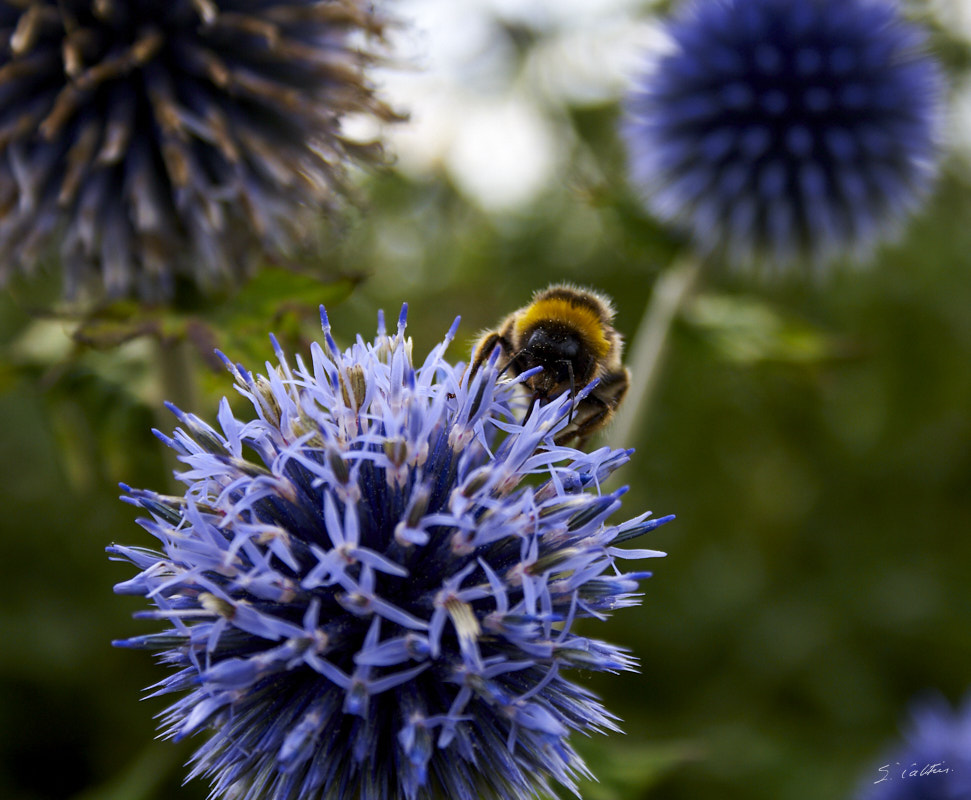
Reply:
x=150, y=139
x=370, y=586
x=781, y=131
x=934, y=760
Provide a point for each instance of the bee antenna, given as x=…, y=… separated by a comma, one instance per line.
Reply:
x=512, y=359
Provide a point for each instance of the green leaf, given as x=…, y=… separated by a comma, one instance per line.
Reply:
x=110, y=326
x=748, y=330
x=142, y=778
x=626, y=767
x=273, y=290
x=277, y=301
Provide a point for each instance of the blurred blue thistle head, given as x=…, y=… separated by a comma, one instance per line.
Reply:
x=779, y=131
x=148, y=139
x=933, y=762
x=371, y=586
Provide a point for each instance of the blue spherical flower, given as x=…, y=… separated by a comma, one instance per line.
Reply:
x=777, y=129
x=371, y=586
x=152, y=138
x=934, y=761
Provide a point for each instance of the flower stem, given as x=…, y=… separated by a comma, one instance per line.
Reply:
x=178, y=383
x=671, y=291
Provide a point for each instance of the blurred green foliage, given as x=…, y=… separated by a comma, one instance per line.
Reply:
x=812, y=433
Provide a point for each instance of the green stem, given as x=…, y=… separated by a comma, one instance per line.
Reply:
x=177, y=381
x=176, y=373
x=671, y=291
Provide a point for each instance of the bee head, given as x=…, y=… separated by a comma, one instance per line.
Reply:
x=566, y=360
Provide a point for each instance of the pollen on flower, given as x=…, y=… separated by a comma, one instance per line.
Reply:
x=370, y=584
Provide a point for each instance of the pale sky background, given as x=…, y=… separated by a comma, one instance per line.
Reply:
x=496, y=131
x=493, y=129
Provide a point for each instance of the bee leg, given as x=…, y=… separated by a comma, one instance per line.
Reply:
x=596, y=409
x=484, y=349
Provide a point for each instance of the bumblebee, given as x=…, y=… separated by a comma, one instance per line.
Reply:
x=569, y=332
